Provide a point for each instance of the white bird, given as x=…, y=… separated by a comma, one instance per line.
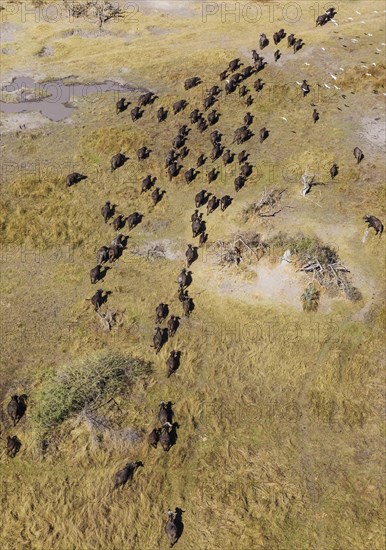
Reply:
x=368, y=74
x=350, y=18
x=374, y=64
x=354, y=40
x=364, y=66
x=358, y=12
x=383, y=44
x=299, y=83
x=336, y=87
x=307, y=64
x=324, y=49
x=332, y=76
x=335, y=23
x=327, y=86
x=284, y=118
x=375, y=11
x=378, y=50
x=369, y=34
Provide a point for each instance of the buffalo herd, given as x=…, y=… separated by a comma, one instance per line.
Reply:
x=234, y=77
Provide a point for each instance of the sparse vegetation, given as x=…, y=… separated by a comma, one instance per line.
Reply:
x=84, y=384
x=280, y=411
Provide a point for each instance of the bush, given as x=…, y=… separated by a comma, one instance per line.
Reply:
x=72, y=387
x=310, y=298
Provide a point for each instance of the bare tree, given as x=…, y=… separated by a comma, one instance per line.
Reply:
x=103, y=10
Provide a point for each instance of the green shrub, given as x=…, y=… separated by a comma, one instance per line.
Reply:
x=72, y=387
x=310, y=298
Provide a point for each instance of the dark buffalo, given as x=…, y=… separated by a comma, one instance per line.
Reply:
x=158, y=339
x=133, y=220
x=276, y=38
x=246, y=170
x=115, y=252
x=239, y=183
x=171, y=157
x=126, y=474
x=173, y=171
x=258, y=85
x=203, y=238
x=248, y=119
x=196, y=227
x=162, y=114
x=95, y=274
x=97, y=300
x=263, y=42
x=334, y=171
x=179, y=106
x=165, y=437
x=184, y=152
x=358, y=154
x=202, y=125
x=228, y=157
x=146, y=99
x=291, y=40
x=107, y=211
x=225, y=201
x=102, y=255
x=277, y=55
x=209, y=102
x=161, y=312
x=216, y=152
x=74, y=178
x=119, y=222
x=153, y=437
x=179, y=141
x=192, y=82
x=263, y=134
x=143, y=153
x=215, y=137
x=234, y=65
x=247, y=72
x=147, y=183
x=117, y=161
x=213, y=203
x=165, y=413
x=188, y=306
x=184, y=279
x=213, y=117
x=136, y=113
x=223, y=75
x=173, y=362
x=190, y=175
x=121, y=106
x=201, y=160
x=16, y=407
x=194, y=116
x=212, y=175
x=242, y=157
x=298, y=44
x=305, y=88
x=13, y=446
x=174, y=526
x=173, y=324
x=230, y=87
x=249, y=101
x=375, y=223
x=191, y=255
x=201, y=198
x=315, y=116
x=157, y=195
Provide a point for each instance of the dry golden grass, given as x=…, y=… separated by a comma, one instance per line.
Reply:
x=279, y=445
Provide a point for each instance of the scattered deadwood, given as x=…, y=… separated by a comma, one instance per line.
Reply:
x=267, y=206
x=109, y=319
x=308, y=182
x=244, y=247
x=331, y=275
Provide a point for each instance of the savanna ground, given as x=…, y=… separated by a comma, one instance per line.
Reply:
x=280, y=411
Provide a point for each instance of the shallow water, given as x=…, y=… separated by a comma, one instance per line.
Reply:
x=57, y=105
